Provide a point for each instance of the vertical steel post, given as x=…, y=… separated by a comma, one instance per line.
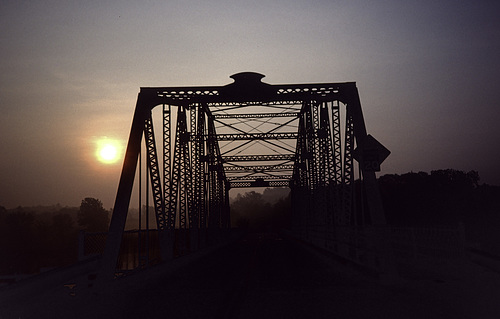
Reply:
x=147, y=214
x=166, y=231
x=386, y=259
x=139, y=233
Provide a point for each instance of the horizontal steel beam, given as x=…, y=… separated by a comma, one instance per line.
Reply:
x=256, y=136
x=257, y=184
x=225, y=95
x=256, y=115
x=255, y=158
x=258, y=168
x=254, y=177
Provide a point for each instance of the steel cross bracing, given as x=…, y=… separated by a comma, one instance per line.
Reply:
x=249, y=134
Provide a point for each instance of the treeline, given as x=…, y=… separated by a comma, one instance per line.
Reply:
x=42, y=237
x=444, y=198
x=33, y=238
x=265, y=211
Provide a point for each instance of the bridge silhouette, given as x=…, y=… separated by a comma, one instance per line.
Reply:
x=252, y=134
x=335, y=259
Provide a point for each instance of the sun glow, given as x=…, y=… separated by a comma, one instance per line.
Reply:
x=108, y=151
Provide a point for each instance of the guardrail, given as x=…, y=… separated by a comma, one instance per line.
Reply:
x=371, y=246
x=138, y=248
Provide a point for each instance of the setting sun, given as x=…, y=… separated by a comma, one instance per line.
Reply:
x=108, y=151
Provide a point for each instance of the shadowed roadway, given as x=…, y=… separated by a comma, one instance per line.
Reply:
x=259, y=276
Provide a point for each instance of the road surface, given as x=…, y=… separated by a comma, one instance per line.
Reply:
x=266, y=276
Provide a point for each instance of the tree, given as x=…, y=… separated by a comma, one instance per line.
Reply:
x=446, y=197
x=250, y=210
x=253, y=211
x=92, y=217
x=63, y=239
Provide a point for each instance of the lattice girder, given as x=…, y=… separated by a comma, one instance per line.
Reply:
x=277, y=135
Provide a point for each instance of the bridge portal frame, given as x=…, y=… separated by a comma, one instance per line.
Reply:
x=318, y=150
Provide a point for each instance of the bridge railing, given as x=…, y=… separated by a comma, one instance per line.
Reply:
x=140, y=249
x=412, y=243
x=134, y=253
x=408, y=245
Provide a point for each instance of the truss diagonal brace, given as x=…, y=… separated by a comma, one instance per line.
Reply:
x=154, y=172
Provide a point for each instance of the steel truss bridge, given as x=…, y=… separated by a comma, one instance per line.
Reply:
x=309, y=137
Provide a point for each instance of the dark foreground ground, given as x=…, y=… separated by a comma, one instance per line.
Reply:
x=265, y=276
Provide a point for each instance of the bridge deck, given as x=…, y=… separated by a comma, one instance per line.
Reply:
x=265, y=276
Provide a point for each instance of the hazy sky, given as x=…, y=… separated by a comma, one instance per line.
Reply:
x=427, y=72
